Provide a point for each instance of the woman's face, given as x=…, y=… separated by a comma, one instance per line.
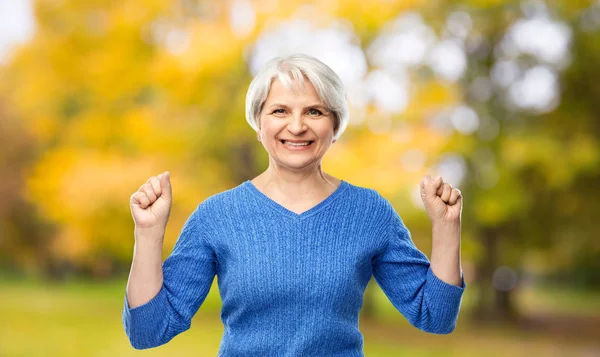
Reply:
x=297, y=117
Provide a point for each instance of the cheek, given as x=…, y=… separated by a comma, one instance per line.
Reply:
x=270, y=125
x=325, y=129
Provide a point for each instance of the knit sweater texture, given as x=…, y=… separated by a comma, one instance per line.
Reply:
x=292, y=284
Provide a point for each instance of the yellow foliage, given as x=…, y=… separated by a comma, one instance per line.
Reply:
x=110, y=102
x=374, y=160
x=69, y=243
x=371, y=14
x=75, y=187
x=558, y=160
x=428, y=98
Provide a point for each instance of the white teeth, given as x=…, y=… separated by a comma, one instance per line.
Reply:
x=296, y=144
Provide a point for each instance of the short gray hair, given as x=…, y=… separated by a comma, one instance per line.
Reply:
x=327, y=83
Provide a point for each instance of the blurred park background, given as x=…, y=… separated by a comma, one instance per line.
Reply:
x=501, y=98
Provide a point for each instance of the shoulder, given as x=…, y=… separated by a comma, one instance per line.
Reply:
x=212, y=210
x=384, y=213
x=220, y=202
x=367, y=194
x=370, y=200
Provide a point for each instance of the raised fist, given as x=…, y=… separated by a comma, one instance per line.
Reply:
x=442, y=202
x=151, y=204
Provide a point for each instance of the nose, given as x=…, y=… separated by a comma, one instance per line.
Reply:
x=296, y=124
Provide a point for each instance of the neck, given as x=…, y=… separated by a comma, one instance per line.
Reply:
x=297, y=185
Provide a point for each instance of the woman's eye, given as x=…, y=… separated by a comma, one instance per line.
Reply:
x=278, y=111
x=315, y=112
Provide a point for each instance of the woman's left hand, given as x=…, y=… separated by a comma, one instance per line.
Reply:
x=443, y=203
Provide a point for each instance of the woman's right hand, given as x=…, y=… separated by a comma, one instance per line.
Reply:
x=151, y=204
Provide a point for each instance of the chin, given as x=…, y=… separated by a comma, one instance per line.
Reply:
x=296, y=164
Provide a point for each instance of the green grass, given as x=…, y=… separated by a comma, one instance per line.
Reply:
x=84, y=319
x=557, y=300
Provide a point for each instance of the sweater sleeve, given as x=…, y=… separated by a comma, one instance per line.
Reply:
x=188, y=274
x=405, y=276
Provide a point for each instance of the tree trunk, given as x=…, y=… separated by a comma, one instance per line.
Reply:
x=493, y=305
x=242, y=162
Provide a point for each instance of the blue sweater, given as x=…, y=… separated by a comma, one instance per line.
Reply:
x=292, y=284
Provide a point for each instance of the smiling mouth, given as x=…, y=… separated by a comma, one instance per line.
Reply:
x=297, y=144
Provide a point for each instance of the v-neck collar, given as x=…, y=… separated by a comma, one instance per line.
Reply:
x=281, y=209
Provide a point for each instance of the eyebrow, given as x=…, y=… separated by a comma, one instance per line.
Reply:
x=317, y=105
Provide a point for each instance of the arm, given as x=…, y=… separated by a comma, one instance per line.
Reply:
x=443, y=204
x=175, y=291
x=146, y=276
x=406, y=277
x=445, y=252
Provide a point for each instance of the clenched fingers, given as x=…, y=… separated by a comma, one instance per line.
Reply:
x=446, y=191
x=149, y=191
x=456, y=194
x=141, y=199
x=155, y=182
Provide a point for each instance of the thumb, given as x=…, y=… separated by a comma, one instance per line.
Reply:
x=165, y=185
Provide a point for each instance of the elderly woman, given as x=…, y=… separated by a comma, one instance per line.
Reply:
x=295, y=247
